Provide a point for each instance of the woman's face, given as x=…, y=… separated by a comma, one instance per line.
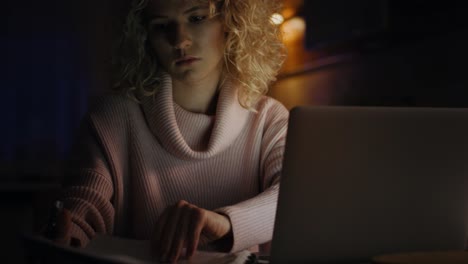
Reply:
x=188, y=44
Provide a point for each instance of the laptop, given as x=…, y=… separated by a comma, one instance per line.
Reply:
x=359, y=182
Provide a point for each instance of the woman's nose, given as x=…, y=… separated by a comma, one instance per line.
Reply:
x=180, y=37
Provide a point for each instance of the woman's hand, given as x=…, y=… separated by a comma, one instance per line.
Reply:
x=186, y=225
x=58, y=228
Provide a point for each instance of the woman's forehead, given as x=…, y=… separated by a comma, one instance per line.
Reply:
x=162, y=4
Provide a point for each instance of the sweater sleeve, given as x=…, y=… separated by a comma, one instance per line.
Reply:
x=252, y=220
x=88, y=188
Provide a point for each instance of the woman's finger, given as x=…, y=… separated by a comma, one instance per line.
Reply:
x=63, y=228
x=195, y=229
x=169, y=230
x=157, y=233
x=180, y=236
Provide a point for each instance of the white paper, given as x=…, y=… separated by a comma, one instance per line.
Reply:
x=138, y=252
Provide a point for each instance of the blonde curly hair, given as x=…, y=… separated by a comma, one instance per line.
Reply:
x=253, y=53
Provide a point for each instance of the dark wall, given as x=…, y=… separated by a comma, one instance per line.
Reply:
x=428, y=72
x=44, y=88
x=335, y=21
x=57, y=57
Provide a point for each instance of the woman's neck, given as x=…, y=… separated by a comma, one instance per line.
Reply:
x=197, y=96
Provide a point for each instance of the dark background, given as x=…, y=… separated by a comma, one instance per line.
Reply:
x=382, y=53
x=55, y=58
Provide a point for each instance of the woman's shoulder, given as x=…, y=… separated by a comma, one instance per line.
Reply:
x=110, y=103
x=114, y=111
x=111, y=100
x=270, y=106
x=110, y=119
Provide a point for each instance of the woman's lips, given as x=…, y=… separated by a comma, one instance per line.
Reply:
x=186, y=61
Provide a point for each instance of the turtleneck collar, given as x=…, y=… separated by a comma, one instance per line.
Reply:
x=230, y=119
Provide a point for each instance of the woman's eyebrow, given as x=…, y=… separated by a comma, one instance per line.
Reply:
x=195, y=8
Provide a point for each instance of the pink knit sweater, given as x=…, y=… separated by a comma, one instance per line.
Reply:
x=133, y=160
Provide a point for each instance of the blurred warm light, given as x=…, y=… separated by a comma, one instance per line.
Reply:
x=293, y=29
x=288, y=12
x=277, y=19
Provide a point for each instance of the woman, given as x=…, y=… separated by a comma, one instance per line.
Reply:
x=189, y=152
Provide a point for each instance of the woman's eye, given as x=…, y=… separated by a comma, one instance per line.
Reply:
x=197, y=19
x=158, y=26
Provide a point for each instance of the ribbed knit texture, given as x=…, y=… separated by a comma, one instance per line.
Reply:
x=133, y=160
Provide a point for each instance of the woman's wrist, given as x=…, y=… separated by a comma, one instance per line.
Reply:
x=225, y=243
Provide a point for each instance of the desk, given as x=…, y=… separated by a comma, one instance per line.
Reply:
x=441, y=257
